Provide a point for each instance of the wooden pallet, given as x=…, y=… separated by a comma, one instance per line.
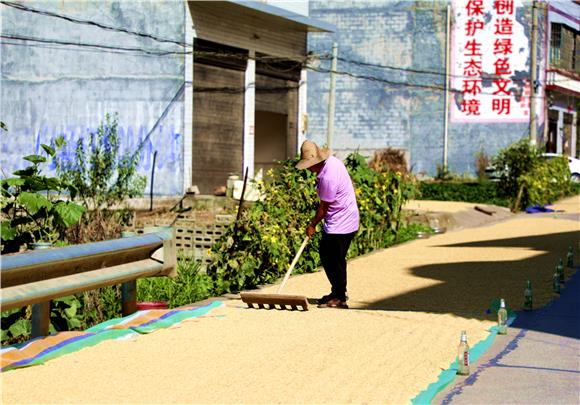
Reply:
x=275, y=301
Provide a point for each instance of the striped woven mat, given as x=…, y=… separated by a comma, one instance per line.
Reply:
x=43, y=349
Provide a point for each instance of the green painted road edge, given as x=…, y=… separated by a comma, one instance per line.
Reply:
x=447, y=376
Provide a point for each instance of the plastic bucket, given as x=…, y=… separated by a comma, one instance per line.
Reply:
x=152, y=305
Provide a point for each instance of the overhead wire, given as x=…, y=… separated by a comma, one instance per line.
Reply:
x=322, y=56
x=22, y=7
x=268, y=60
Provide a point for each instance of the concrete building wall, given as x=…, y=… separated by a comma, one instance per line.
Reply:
x=400, y=102
x=52, y=87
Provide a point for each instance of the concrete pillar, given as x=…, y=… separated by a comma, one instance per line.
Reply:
x=302, y=110
x=560, y=133
x=190, y=34
x=249, y=114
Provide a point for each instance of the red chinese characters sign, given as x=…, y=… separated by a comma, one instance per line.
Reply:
x=489, y=80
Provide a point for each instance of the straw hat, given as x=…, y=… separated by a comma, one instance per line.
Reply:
x=311, y=154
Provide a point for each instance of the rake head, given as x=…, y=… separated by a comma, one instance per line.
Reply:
x=275, y=301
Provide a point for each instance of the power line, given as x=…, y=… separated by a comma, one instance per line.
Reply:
x=65, y=48
x=268, y=60
x=24, y=8
x=97, y=46
x=394, y=83
x=149, y=52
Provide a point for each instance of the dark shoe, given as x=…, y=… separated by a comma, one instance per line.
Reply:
x=334, y=303
x=325, y=299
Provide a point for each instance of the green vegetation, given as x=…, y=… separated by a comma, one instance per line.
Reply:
x=190, y=285
x=80, y=205
x=35, y=207
x=104, y=181
x=473, y=192
x=525, y=179
x=259, y=248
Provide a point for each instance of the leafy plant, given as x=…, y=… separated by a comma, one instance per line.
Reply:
x=263, y=242
x=380, y=197
x=512, y=163
x=16, y=325
x=190, y=285
x=104, y=180
x=33, y=205
x=66, y=314
x=549, y=181
x=258, y=249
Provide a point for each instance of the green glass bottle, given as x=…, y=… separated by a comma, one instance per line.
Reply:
x=556, y=282
x=570, y=257
x=560, y=270
x=528, y=297
x=463, y=355
x=502, y=318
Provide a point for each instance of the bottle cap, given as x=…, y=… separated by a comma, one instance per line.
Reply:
x=463, y=336
x=502, y=303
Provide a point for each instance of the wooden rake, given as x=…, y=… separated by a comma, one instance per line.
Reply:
x=279, y=301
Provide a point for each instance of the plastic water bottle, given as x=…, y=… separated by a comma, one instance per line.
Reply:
x=556, y=282
x=463, y=355
x=502, y=318
x=528, y=297
x=560, y=271
x=570, y=257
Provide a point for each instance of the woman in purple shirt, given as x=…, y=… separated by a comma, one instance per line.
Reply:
x=340, y=213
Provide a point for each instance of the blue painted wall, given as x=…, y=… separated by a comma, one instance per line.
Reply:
x=50, y=89
x=404, y=108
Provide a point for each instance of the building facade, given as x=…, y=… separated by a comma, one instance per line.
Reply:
x=443, y=81
x=563, y=78
x=209, y=88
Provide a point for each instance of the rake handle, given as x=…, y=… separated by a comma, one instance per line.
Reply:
x=289, y=271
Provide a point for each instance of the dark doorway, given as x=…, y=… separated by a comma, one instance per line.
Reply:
x=271, y=139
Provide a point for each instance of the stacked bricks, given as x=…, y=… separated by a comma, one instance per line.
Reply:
x=196, y=232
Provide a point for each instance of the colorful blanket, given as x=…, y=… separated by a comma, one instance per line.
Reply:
x=43, y=349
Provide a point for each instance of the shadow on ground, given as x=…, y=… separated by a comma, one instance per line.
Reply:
x=468, y=288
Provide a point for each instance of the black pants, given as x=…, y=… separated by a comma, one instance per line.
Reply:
x=333, y=250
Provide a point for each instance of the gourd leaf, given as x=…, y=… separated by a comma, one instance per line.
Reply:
x=7, y=232
x=14, y=181
x=35, y=159
x=71, y=311
x=20, y=327
x=29, y=171
x=69, y=213
x=74, y=323
x=48, y=149
x=33, y=202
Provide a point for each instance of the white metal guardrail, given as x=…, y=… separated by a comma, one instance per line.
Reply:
x=36, y=277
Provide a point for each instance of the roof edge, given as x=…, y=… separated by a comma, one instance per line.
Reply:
x=313, y=25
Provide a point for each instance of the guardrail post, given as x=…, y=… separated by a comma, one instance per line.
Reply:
x=129, y=297
x=128, y=289
x=40, y=319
